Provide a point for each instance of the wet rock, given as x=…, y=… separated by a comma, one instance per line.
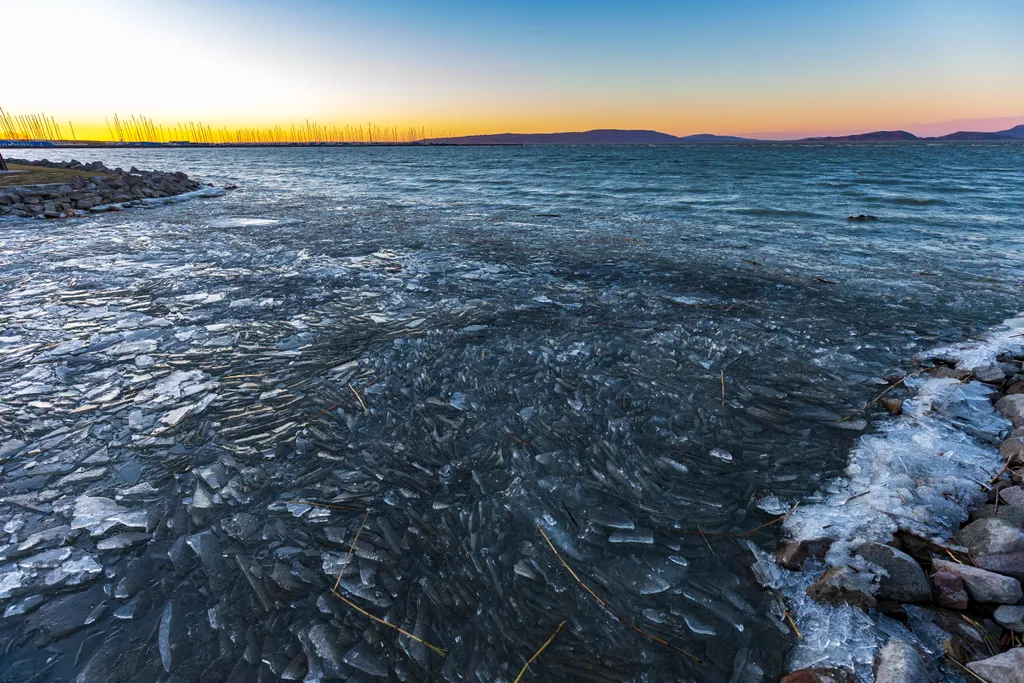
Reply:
x=983, y=585
x=894, y=406
x=863, y=217
x=1012, y=408
x=906, y=580
x=1007, y=667
x=899, y=662
x=793, y=554
x=840, y=585
x=819, y=675
x=1011, y=617
x=950, y=591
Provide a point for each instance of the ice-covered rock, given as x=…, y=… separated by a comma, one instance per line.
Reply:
x=904, y=579
x=845, y=585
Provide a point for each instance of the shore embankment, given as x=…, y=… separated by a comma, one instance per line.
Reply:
x=49, y=189
x=909, y=568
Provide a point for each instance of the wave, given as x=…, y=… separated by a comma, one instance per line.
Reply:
x=768, y=212
x=915, y=201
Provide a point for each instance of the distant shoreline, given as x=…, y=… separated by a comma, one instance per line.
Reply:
x=196, y=145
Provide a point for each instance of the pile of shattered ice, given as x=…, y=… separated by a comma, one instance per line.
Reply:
x=921, y=473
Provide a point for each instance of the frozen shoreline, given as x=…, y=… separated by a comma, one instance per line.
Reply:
x=918, y=476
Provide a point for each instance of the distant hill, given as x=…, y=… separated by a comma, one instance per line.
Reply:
x=1016, y=132
x=590, y=137
x=876, y=136
x=973, y=135
x=612, y=136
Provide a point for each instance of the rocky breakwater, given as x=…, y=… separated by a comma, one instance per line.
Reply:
x=95, y=189
x=884, y=574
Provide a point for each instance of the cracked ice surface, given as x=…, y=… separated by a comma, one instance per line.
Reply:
x=411, y=331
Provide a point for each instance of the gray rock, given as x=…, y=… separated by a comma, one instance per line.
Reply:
x=1011, y=617
x=1013, y=516
x=1012, y=408
x=1009, y=564
x=898, y=662
x=1013, y=496
x=989, y=374
x=1007, y=667
x=906, y=581
x=995, y=545
x=983, y=585
x=1012, y=449
x=843, y=585
x=950, y=591
x=991, y=536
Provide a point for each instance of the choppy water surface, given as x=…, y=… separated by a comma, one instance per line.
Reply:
x=469, y=343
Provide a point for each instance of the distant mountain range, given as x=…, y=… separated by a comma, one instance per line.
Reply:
x=653, y=137
x=590, y=137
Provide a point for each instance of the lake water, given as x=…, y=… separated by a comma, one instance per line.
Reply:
x=636, y=350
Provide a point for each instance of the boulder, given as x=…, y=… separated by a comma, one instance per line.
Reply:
x=1012, y=408
x=1011, y=617
x=949, y=590
x=989, y=374
x=995, y=545
x=991, y=536
x=982, y=585
x=819, y=675
x=906, y=581
x=899, y=662
x=1012, y=449
x=1013, y=496
x=1007, y=667
x=840, y=585
x=1013, y=516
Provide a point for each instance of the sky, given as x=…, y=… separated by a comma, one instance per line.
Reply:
x=739, y=67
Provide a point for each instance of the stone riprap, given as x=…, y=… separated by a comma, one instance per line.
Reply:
x=108, y=190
